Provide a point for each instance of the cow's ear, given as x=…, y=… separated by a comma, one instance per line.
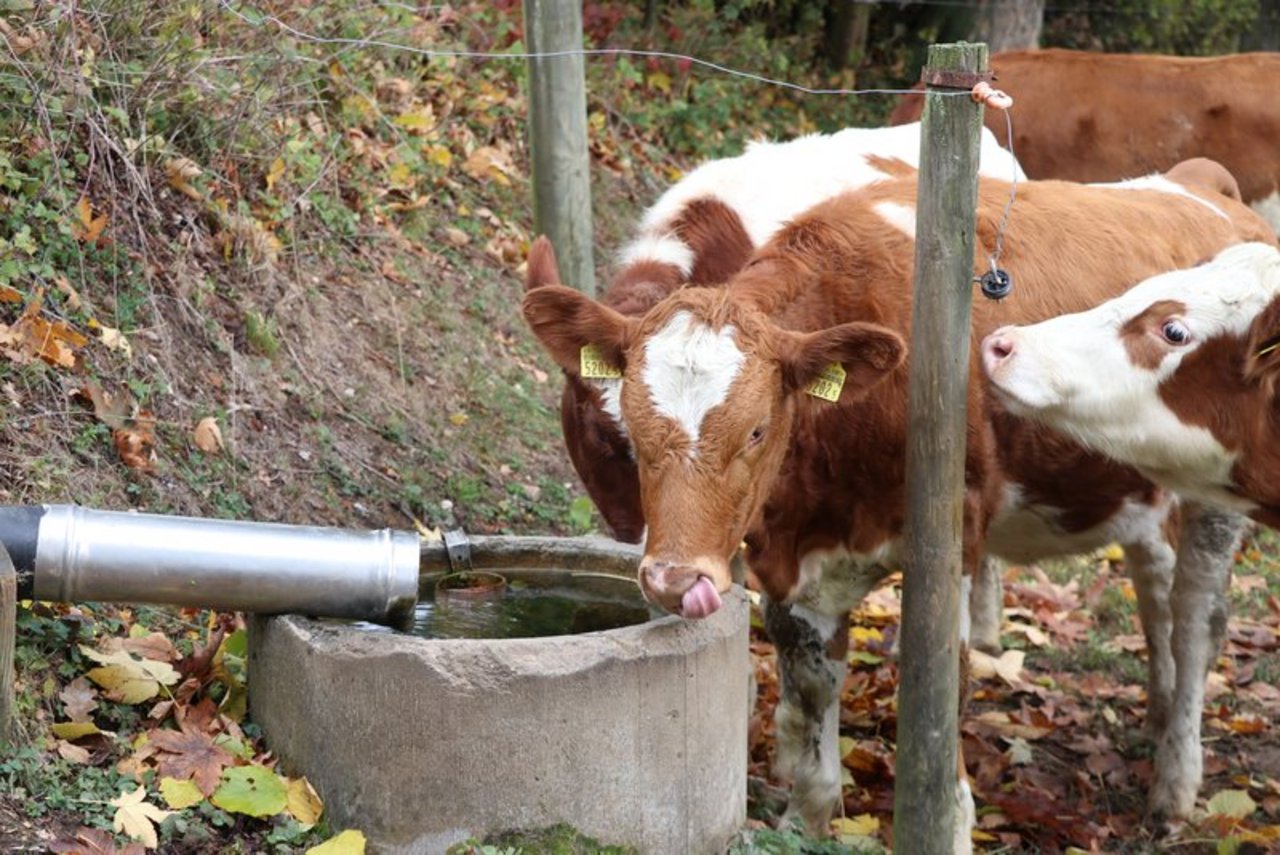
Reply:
x=541, y=267
x=866, y=353
x=566, y=322
x=1262, y=356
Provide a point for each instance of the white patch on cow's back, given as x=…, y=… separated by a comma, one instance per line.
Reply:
x=901, y=217
x=688, y=368
x=772, y=182
x=662, y=248
x=1163, y=185
x=966, y=620
x=1269, y=209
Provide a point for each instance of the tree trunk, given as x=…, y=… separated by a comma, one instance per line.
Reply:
x=1009, y=24
x=844, y=43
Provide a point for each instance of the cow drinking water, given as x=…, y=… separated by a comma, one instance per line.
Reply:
x=730, y=445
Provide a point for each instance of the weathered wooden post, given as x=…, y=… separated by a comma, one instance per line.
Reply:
x=558, y=137
x=928, y=693
x=8, y=640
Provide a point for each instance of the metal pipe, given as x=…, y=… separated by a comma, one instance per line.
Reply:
x=67, y=553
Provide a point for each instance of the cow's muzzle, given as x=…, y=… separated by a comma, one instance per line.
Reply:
x=691, y=590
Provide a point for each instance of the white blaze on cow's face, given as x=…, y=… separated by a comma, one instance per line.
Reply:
x=1107, y=376
x=688, y=369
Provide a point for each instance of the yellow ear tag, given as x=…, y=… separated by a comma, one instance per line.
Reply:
x=828, y=384
x=593, y=365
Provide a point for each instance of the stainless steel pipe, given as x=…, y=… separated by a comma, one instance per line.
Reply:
x=69, y=553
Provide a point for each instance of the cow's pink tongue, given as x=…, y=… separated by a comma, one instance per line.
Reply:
x=700, y=600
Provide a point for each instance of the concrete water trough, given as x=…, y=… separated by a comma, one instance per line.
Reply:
x=635, y=735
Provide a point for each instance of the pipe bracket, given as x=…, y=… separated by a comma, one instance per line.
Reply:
x=457, y=548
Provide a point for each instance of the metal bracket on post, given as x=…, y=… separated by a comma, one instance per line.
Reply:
x=457, y=549
x=951, y=79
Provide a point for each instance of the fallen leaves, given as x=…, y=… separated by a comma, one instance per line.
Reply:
x=33, y=337
x=207, y=436
x=126, y=679
x=94, y=841
x=349, y=842
x=251, y=790
x=490, y=163
x=1053, y=739
x=90, y=224
x=190, y=754
x=138, y=818
x=132, y=428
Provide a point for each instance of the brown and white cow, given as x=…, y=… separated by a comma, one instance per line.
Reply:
x=730, y=447
x=700, y=232
x=1177, y=377
x=1085, y=116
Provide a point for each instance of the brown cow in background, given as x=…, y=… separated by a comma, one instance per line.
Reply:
x=1085, y=116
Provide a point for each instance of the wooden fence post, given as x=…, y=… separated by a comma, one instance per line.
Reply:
x=8, y=640
x=928, y=692
x=558, y=137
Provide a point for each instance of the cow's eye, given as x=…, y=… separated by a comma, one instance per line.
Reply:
x=757, y=436
x=1175, y=332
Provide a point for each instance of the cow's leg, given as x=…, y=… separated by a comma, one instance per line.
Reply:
x=1150, y=562
x=986, y=605
x=1206, y=550
x=807, y=719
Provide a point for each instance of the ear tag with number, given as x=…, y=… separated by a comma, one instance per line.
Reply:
x=593, y=365
x=828, y=384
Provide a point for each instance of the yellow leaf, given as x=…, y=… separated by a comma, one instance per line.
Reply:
x=91, y=226
x=863, y=825
x=1236, y=804
x=440, y=156
x=115, y=340
x=489, y=163
x=458, y=419
x=349, y=842
x=275, y=173
x=400, y=175
x=304, y=802
x=137, y=818
x=129, y=680
x=661, y=81
x=180, y=794
x=207, y=436
x=73, y=730
x=862, y=634
x=418, y=120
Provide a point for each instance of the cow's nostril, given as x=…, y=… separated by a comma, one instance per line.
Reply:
x=998, y=347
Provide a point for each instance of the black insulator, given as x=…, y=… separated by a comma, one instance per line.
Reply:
x=996, y=284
